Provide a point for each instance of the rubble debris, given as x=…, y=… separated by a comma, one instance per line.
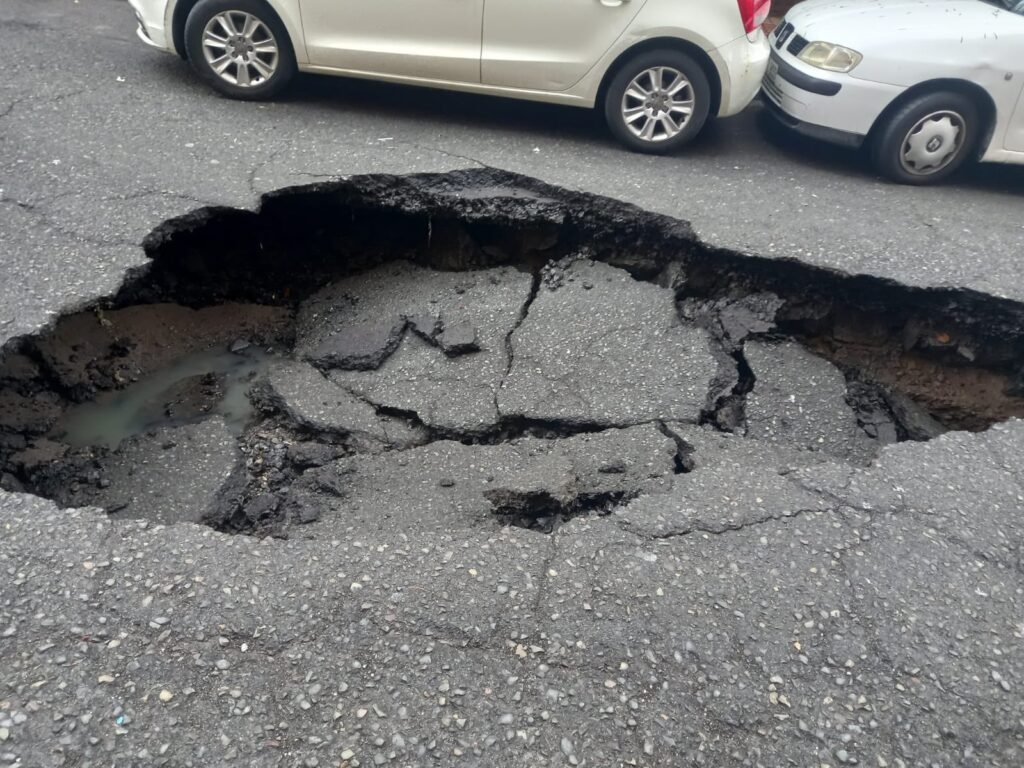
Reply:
x=751, y=481
x=142, y=478
x=358, y=345
x=733, y=320
x=458, y=339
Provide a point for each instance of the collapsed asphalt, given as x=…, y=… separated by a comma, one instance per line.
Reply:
x=759, y=613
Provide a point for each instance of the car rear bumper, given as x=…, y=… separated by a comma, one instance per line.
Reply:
x=150, y=16
x=143, y=34
x=743, y=63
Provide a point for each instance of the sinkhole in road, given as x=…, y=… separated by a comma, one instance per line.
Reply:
x=473, y=349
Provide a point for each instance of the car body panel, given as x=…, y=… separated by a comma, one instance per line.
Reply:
x=906, y=22
x=907, y=44
x=443, y=46
x=716, y=28
x=520, y=53
x=1014, y=141
x=746, y=65
x=159, y=14
x=566, y=98
x=153, y=21
x=430, y=39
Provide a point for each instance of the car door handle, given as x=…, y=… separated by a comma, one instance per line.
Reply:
x=613, y=3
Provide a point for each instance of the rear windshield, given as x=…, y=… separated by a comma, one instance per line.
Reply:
x=1013, y=6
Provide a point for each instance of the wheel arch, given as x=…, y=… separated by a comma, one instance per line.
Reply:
x=179, y=16
x=673, y=43
x=981, y=98
x=182, y=9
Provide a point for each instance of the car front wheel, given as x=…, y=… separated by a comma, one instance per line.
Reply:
x=240, y=48
x=658, y=101
x=927, y=139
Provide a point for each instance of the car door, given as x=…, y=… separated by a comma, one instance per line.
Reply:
x=1015, y=132
x=431, y=39
x=1014, y=74
x=548, y=45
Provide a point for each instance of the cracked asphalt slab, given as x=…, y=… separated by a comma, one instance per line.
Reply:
x=693, y=598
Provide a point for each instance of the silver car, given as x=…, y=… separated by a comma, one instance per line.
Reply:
x=657, y=68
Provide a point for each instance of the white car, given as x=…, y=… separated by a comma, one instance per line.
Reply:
x=658, y=68
x=930, y=84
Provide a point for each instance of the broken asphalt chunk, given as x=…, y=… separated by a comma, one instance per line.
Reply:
x=358, y=347
x=799, y=399
x=458, y=339
x=315, y=404
x=614, y=355
x=462, y=486
x=478, y=311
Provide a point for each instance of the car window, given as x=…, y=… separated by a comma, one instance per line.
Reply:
x=1013, y=6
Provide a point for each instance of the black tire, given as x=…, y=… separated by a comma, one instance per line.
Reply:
x=891, y=145
x=284, y=64
x=660, y=143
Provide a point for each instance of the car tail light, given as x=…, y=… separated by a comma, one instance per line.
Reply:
x=754, y=12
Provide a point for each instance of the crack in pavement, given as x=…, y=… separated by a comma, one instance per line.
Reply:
x=35, y=99
x=47, y=220
x=509, y=347
x=254, y=172
x=447, y=153
x=717, y=530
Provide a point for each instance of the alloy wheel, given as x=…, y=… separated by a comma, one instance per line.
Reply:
x=657, y=104
x=240, y=49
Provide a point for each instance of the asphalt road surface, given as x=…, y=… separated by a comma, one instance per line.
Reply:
x=752, y=613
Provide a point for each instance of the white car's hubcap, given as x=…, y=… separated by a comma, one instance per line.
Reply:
x=933, y=143
x=657, y=104
x=240, y=48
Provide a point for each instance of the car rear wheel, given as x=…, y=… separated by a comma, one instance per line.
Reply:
x=240, y=48
x=658, y=101
x=927, y=139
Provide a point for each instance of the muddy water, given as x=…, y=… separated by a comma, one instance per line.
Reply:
x=201, y=384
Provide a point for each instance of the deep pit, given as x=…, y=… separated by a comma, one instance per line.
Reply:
x=471, y=349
